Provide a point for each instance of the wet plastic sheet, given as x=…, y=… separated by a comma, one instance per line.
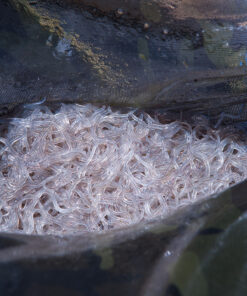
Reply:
x=75, y=52
x=79, y=54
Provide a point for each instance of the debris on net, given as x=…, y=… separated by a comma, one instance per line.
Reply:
x=88, y=169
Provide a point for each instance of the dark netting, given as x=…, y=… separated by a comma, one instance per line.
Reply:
x=153, y=56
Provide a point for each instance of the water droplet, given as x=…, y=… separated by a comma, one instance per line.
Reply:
x=165, y=31
x=146, y=26
x=167, y=253
x=120, y=11
x=226, y=44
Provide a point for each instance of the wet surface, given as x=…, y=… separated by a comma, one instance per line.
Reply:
x=76, y=56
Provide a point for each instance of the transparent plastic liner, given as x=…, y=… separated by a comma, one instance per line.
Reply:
x=87, y=169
